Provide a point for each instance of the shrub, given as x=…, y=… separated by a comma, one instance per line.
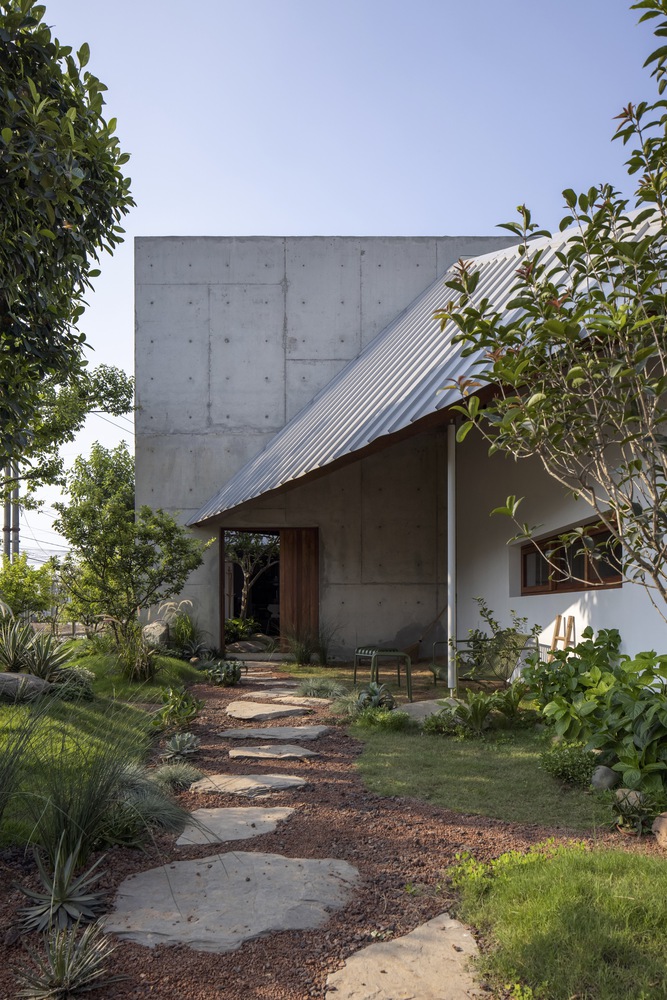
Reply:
x=74, y=683
x=474, y=713
x=570, y=762
x=384, y=718
x=442, y=723
x=176, y=776
x=508, y=702
x=240, y=628
x=494, y=654
x=226, y=673
x=179, y=708
x=138, y=660
x=321, y=687
x=301, y=645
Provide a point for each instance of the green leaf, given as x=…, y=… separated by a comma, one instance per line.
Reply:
x=464, y=430
x=7, y=135
x=83, y=55
x=535, y=399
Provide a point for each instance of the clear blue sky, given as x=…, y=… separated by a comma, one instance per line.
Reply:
x=371, y=117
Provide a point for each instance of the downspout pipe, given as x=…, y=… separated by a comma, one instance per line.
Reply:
x=452, y=680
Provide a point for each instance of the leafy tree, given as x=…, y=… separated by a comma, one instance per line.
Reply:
x=63, y=408
x=120, y=561
x=25, y=589
x=578, y=357
x=62, y=198
x=254, y=553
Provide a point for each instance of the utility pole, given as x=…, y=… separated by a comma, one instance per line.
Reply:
x=7, y=527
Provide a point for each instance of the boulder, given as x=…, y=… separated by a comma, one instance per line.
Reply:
x=603, y=777
x=629, y=797
x=156, y=633
x=22, y=687
x=660, y=830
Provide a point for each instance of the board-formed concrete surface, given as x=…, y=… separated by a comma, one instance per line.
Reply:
x=254, y=710
x=248, y=785
x=217, y=826
x=275, y=752
x=276, y=733
x=217, y=903
x=430, y=963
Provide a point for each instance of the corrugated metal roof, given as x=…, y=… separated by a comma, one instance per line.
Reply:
x=396, y=380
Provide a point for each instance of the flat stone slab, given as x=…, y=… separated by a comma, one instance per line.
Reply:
x=255, y=710
x=278, y=695
x=430, y=963
x=216, y=826
x=276, y=733
x=277, y=751
x=216, y=903
x=420, y=710
x=249, y=785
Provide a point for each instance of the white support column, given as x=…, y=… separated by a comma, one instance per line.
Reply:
x=451, y=556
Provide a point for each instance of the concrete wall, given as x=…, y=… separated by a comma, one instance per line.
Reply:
x=382, y=523
x=488, y=567
x=233, y=337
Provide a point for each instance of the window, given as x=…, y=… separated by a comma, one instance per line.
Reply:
x=553, y=565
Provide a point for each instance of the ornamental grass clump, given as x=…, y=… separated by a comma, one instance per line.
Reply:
x=71, y=962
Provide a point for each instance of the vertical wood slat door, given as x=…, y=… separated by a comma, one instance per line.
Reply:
x=299, y=580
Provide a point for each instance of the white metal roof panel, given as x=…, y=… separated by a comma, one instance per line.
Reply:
x=398, y=379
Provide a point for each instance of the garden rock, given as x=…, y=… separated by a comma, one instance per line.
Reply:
x=253, y=710
x=216, y=826
x=603, y=777
x=629, y=797
x=249, y=785
x=279, y=695
x=216, y=903
x=156, y=633
x=276, y=733
x=286, y=751
x=22, y=687
x=660, y=830
x=420, y=710
x=430, y=963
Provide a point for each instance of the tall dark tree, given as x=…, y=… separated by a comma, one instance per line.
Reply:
x=62, y=198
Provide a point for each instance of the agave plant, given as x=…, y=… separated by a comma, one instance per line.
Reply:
x=73, y=963
x=16, y=638
x=45, y=654
x=180, y=745
x=64, y=899
x=375, y=695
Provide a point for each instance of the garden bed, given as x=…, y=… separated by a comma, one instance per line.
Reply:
x=401, y=846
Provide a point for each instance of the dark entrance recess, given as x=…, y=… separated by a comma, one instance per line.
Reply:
x=298, y=581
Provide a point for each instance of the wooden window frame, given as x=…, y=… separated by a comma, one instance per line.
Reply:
x=567, y=585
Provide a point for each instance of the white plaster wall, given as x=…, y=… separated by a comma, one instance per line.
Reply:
x=488, y=567
x=234, y=335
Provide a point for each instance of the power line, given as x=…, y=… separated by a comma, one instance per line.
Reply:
x=126, y=430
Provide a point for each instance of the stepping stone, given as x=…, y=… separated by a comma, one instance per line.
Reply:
x=288, y=699
x=276, y=733
x=283, y=685
x=216, y=903
x=254, y=710
x=249, y=785
x=284, y=751
x=429, y=963
x=216, y=826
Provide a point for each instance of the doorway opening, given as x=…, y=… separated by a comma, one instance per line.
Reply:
x=272, y=576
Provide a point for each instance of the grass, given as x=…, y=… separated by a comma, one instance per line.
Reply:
x=83, y=731
x=110, y=683
x=584, y=924
x=498, y=776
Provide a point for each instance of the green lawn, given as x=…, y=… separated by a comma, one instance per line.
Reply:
x=110, y=683
x=498, y=776
x=584, y=924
